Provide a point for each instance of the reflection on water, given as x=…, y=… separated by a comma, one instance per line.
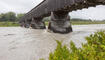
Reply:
x=18, y=43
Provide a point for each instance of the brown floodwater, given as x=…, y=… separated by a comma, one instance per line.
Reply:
x=18, y=43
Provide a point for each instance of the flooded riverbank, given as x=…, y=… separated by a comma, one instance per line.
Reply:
x=18, y=43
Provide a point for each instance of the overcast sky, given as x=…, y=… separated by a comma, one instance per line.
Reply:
x=23, y=6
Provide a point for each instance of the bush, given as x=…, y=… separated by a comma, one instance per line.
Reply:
x=94, y=49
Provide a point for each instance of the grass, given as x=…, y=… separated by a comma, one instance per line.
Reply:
x=9, y=24
x=15, y=24
x=86, y=22
x=94, y=49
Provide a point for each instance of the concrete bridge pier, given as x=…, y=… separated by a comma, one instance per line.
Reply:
x=22, y=24
x=38, y=23
x=60, y=22
x=27, y=23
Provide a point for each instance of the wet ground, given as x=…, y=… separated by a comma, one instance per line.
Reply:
x=18, y=43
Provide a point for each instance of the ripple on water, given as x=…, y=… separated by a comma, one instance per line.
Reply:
x=18, y=43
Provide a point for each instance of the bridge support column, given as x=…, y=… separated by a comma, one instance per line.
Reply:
x=60, y=22
x=22, y=23
x=27, y=23
x=37, y=23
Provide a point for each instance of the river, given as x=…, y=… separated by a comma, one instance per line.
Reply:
x=18, y=43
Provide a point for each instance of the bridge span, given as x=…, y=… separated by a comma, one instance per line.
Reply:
x=59, y=12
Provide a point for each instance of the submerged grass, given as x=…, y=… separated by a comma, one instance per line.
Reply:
x=94, y=49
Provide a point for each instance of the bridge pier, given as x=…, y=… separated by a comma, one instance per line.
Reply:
x=60, y=22
x=37, y=23
x=27, y=23
x=22, y=23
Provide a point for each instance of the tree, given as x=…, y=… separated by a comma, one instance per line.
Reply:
x=3, y=17
x=10, y=16
x=19, y=16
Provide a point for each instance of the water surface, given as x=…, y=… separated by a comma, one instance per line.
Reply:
x=18, y=43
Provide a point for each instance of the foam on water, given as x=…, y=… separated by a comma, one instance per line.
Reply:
x=18, y=43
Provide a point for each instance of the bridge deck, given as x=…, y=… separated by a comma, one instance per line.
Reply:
x=47, y=6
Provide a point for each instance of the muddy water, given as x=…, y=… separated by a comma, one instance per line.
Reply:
x=18, y=43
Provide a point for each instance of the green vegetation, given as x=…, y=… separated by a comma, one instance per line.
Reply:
x=94, y=49
x=80, y=21
x=41, y=59
x=10, y=18
x=8, y=24
x=84, y=21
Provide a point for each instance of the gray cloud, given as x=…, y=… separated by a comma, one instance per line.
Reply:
x=23, y=6
x=95, y=13
x=18, y=6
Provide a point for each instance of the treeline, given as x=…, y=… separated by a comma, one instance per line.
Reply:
x=78, y=19
x=13, y=17
x=88, y=20
x=10, y=16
